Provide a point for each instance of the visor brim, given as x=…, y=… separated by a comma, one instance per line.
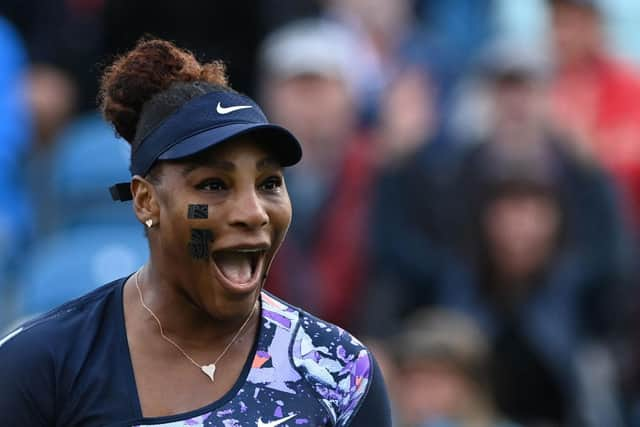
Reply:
x=275, y=139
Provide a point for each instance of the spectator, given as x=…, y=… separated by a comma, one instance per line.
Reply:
x=596, y=98
x=529, y=289
x=52, y=99
x=308, y=90
x=409, y=214
x=443, y=362
x=595, y=245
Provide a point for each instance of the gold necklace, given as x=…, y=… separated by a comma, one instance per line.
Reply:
x=210, y=369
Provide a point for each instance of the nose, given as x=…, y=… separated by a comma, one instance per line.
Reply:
x=248, y=211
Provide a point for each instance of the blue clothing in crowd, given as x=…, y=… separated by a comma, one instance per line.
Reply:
x=15, y=211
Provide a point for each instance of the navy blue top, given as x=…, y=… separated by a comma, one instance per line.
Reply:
x=71, y=367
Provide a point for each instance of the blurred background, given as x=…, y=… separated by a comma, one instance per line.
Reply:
x=468, y=202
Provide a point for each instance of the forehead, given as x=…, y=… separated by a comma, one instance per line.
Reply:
x=575, y=10
x=239, y=153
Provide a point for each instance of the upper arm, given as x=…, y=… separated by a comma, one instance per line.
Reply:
x=373, y=408
x=26, y=385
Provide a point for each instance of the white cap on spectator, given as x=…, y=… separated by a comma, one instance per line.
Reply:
x=505, y=57
x=310, y=46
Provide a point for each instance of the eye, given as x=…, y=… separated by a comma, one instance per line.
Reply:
x=272, y=184
x=212, y=185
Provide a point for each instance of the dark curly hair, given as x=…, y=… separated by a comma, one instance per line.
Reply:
x=150, y=82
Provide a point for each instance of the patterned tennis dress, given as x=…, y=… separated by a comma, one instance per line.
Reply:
x=71, y=367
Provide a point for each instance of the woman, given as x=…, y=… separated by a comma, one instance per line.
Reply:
x=524, y=280
x=191, y=339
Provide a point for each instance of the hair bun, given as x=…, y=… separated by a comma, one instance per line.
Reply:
x=151, y=67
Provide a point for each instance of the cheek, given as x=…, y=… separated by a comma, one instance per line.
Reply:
x=185, y=230
x=173, y=223
x=280, y=214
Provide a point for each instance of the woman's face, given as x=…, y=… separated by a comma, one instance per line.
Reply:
x=522, y=231
x=222, y=217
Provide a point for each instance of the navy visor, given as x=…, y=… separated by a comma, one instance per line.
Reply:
x=206, y=121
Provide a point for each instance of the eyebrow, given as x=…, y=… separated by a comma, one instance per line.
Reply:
x=262, y=164
x=209, y=163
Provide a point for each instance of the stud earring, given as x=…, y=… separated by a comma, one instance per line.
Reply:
x=149, y=223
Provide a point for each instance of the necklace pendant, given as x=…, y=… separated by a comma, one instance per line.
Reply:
x=209, y=370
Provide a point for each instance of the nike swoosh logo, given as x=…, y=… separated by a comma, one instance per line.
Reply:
x=226, y=110
x=275, y=423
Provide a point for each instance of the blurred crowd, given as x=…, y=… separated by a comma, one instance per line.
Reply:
x=468, y=201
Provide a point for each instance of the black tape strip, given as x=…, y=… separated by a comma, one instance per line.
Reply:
x=199, y=243
x=198, y=212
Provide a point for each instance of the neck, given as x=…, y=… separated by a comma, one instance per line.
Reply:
x=181, y=315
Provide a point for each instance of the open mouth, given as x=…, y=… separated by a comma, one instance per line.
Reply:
x=239, y=266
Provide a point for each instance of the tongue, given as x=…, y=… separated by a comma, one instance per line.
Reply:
x=236, y=267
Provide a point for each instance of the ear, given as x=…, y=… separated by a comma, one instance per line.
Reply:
x=145, y=200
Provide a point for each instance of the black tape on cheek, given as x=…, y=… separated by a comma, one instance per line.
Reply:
x=199, y=243
x=198, y=212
